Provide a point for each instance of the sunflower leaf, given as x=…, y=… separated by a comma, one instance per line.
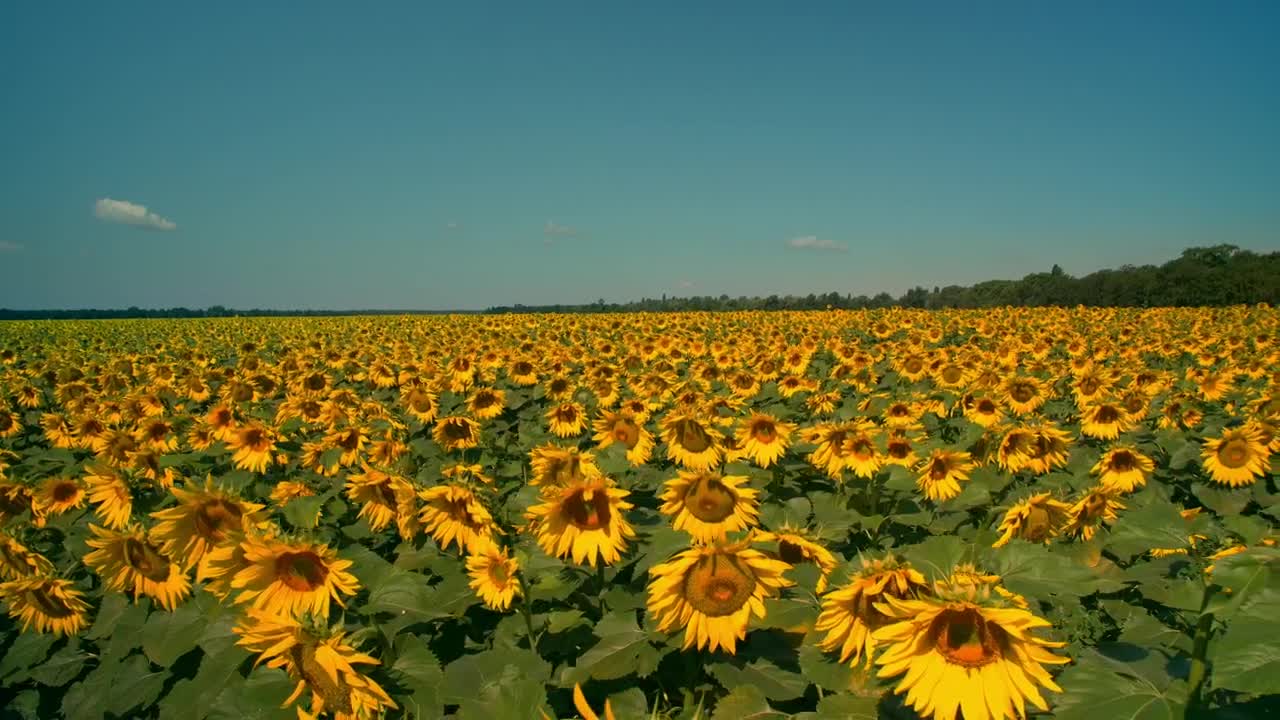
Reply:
x=1097, y=686
x=623, y=649
x=745, y=703
x=771, y=680
x=467, y=677
x=27, y=649
x=168, y=636
x=848, y=706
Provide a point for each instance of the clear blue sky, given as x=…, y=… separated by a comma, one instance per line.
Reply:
x=458, y=155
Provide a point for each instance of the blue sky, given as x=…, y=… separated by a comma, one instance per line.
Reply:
x=459, y=155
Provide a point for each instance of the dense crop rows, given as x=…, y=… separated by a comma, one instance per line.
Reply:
x=839, y=514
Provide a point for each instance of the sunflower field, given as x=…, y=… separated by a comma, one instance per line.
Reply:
x=848, y=514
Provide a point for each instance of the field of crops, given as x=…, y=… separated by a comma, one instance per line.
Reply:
x=977, y=514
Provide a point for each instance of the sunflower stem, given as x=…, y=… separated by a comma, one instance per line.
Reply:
x=600, y=588
x=527, y=612
x=1199, y=651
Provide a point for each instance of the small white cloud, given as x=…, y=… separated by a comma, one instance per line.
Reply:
x=6, y=246
x=452, y=225
x=553, y=228
x=686, y=284
x=123, y=211
x=812, y=242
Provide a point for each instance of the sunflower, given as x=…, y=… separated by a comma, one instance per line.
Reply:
x=708, y=505
x=223, y=421
x=494, y=577
x=420, y=403
x=9, y=423
x=1123, y=469
x=456, y=433
x=966, y=574
x=583, y=520
x=128, y=560
x=523, y=372
x=454, y=515
x=796, y=547
x=17, y=561
x=624, y=428
x=692, y=442
x=318, y=660
x=712, y=591
x=58, y=495
x=965, y=650
x=849, y=615
x=285, y=491
x=1104, y=421
x=58, y=431
x=567, y=419
x=1023, y=394
x=461, y=472
x=110, y=495
x=348, y=442
x=48, y=604
x=1049, y=448
x=487, y=403
x=290, y=578
x=941, y=473
x=1014, y=451
x=984, y=411
x=764, y=438
x=554, y=465
x=822, y=403
x=203, y=518
x=1039, y=518
x=1098, y=507
x=252, y=445
x=1237, y=458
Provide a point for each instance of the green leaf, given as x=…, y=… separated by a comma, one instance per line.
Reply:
x=745, y=703
x=512, y=695
x=789, y=615
x=937, y=555
x=135, y=687
x=1100, y=687
x=191, y=698
x=304, y=512
x=1036, y=571
x=1157, y=524
x=61, y=667
x=561, y=620
x=623, y=650
x=771, y=680
x=849, y=707
x=28, y=649
x=168, y=636
x=1246, y=658
x=630, y=703
x=25, y=705
x=257, y=698
x=466, y=678
x=826, y=671
x=417, y=670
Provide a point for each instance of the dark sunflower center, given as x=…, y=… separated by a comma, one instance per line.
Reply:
x=626, y=432
x=212, y=517
x=310, y=409
x=1122, y=461
x=242, y=392
x=790, y=552
x=1038, y=525
x=301, y=571
x=692, y=436
x=1106, y=415
x=65, y=492
x=254, y=437
x=719, y=585
x=588, y=509
x=457, y=431
x=485, y=400
x=764, y=431
x=48, y=604
x=1088, y=386
x=710, y=500
x=1022, y=392
x=559, y=386
x=952, y=374
x=1234, y=453
x=986, y=406
x=567, y=414
x=964, y=638
x=899, y=449
x=862, y=448
x=337, y=695
x=938, y=469
x=913, y=366
x=158, y=431
x=420, y=402
x=523, y=368
x=146, y=559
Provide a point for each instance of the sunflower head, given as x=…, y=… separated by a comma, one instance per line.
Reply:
x=708, y=505
x=583, y=520
x=1236, y=458
x=849, y=615
x=1039, y=518
x=47, y=604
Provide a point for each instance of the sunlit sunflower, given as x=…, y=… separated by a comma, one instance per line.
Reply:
x=47, y=604
x=691, y=442
x=1123, y=469
x=1104, y=421
x=795, y=546
x=1039, y=518
x=290, y=578
x=555, y=465
x=1023, y=394
x=464, y=473
x=58, y=430
x=1048, y=449
x=494, y=577
x=712, y=591
x=253, y=445
x=941, y=473
x=966, y=574
x=965, y=650
x=109, y=494
x=204, y=517
x=58, y=495
x=18, y=561
x=849, y=615
x=456, y=433
x=1098, y=507
x=708, y=505
x=9, y=423
x=624, y=428
x=348, y=442
x=420, y=403
x=128, y=560
x=567, y=419
x=764, y=438
x=317, y=659
x=487, y=403
x=287, y=490
x=453, y=515
x=984, y=411
x=583, y=520
x=1237, y=458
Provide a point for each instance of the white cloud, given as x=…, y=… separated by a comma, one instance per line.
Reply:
x=452, y=225
x=553, y=228
x=6, y=246
x=686, y=284
x=812, y=242
x=123, y=211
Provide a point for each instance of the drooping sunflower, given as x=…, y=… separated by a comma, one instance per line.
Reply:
x=712, y=591
x=18, y=561
x=380, y=495
x=203, y=518
x=555, y=465
x=494, y=577
x=1039, y=518
x=1098, y=507
x=849, y=615
x=109, y=494
x=58, y=495
x=941, y=473
x=253, y=445
x=456, y=433
x=692, y=442
x=796, y=546
x=128, y=560
x=487, y=403
x=48, y=604
x=567, y=419
x=287, y=490
x=1049, y=448
x=764, y=438
x=1236, y=458
x=583, y=520
x=420, y=403
x=453, y=515
x=708, y=505
x=965, y=650
x=318, y=660
x=1104, y=420
x=9, y=423
x=1123, y=469
x=464, y=473
x=1023, y=394
x=623, y=427
x=290, y=578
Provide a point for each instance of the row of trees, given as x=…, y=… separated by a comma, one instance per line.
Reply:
x=1201, y=276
